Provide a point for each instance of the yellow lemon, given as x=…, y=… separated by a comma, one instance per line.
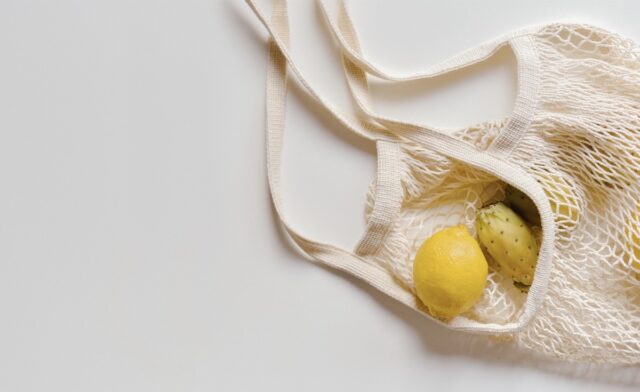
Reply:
x=450, y=272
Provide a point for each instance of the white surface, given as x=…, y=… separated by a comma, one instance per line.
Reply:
x=138, y=249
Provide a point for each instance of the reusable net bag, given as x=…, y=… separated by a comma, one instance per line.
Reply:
x=572, y=144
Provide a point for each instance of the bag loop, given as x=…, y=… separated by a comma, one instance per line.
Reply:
x=447, y=145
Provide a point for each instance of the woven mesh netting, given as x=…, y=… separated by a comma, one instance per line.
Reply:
x=583, y=147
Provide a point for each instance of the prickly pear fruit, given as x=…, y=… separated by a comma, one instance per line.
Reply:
x=509, y=241
x=563, y=199
x=523, y=205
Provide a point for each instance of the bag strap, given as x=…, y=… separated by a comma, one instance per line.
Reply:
x=326, y=254
x=388, y=188
x=349, y=262
x=357, y=81
x=356, y=76
x=279, y=38
x=468, y=57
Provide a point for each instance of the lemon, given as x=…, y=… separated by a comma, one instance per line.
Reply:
x=450, y=272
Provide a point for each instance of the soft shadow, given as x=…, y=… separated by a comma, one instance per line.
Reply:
x=445, y=342
x=466, y=83
x=282, y=234
x=329, y=122
x=409, y=91
x=240, y=13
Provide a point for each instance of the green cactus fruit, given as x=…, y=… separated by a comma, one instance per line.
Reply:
x=509, y=241
x=523, y=205
x=563, y=199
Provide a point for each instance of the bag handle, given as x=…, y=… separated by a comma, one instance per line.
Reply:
x=376, y=130
x=279, y=34
x=360, y=267
x=468, y=57
x=385, y=206
x=358, y=86
x=326, y=254
x=356, y=76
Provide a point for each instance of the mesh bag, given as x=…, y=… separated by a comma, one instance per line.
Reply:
x=572, y=144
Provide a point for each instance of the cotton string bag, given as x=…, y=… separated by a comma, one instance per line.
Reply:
x=572, y=144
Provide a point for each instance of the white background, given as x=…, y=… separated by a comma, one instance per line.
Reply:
x=138, y=248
